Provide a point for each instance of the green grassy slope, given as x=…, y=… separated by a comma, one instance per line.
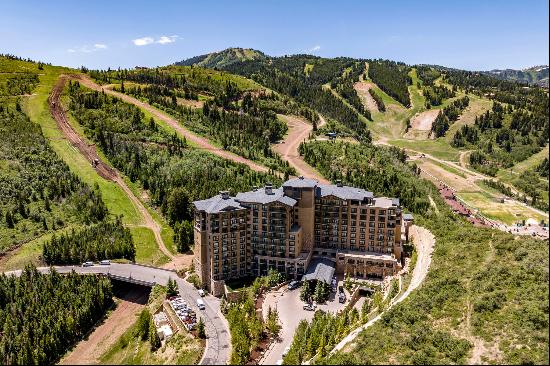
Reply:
x=36, y=107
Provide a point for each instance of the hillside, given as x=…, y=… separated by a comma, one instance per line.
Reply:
x=537, y=75
x=223, y=58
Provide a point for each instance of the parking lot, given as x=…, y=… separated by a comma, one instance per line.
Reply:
x=291, y=312
x=187, y=316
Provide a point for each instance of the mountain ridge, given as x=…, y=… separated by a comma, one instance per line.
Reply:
x=226, y=57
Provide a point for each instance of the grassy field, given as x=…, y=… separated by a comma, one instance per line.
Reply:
x=438, y=148
x=30, y=252
x=181, y=349
x=147, y=251
x=449, y=168
x=476, y=107
x=508, y=212
x=508, y=175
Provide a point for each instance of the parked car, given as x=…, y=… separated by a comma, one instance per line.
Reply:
x=87, y=264
x=340, y=289
x=201, y=292
x=105, y=262
x=279, y=362
x=293, y=285
x=342, y=298
x=310, y=307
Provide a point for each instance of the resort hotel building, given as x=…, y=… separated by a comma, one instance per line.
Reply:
x=296, y=229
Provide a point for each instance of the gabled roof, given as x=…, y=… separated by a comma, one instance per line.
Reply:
x=320, y=269
x=300, y=182
x=218, y=204
x=260, y=196
x=342, y=192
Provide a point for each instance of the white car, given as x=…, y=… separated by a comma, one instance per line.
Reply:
x=201, y=292
x=105, y=262
x=87, y=264
x=279, y=362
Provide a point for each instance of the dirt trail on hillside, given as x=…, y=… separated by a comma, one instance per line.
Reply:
x=298, y=131
x=89, y=350
x=172, y=122
x=424, y=242
x=102, y=168
x=89, y=151
x=362, y=88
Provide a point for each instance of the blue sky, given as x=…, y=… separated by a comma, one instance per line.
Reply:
x=475, y=35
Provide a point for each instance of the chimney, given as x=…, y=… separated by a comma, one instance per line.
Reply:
x=339, y=183
x=224, y=194
x=268, y=188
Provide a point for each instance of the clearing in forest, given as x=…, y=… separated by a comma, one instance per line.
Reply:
x=423, y=121
x=362, y=89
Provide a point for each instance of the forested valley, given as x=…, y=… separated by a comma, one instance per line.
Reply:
x=161, y=162
x=302, y=77
x=42, y=315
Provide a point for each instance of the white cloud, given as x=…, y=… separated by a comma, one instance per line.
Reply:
x=143, y=41
x=88, y=49
x=167, y=39
x=314, y=49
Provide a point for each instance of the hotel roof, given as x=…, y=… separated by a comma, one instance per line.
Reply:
x=218, y=204
x=262, y=196
x=342, y=192
x=301, y=182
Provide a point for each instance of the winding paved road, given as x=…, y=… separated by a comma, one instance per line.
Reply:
x=218, y=343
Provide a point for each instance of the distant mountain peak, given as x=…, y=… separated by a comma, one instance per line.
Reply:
x=223, y=58
x=536, y=75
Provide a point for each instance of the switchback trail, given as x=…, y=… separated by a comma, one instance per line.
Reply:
x=172, y=122
x=102, y=168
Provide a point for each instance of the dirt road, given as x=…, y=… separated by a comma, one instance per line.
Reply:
x=424, y=242
x=88, y=351
x=298, y=131
x=102, y=168
x=172, y=122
